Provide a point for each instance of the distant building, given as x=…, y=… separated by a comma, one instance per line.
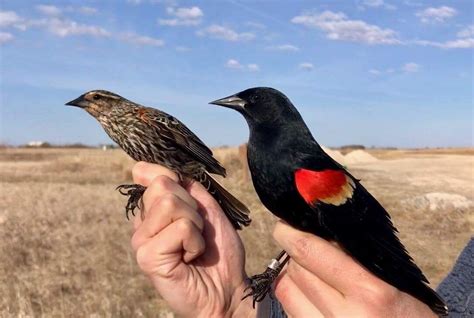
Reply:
x=37, y=144
x=105, y=147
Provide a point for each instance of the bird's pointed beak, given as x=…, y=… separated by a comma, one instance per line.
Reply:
x=78, y=102
x=231, y=102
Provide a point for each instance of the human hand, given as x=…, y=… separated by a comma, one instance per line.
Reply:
x=188, y=248
x=321, y=280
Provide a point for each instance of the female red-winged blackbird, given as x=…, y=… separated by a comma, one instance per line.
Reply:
x=298, y=182
x=150, y=135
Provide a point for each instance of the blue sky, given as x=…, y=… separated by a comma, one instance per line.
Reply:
x=372, y=72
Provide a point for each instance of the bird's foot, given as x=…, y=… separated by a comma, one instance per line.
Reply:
x=135, y=197
x=261, y=284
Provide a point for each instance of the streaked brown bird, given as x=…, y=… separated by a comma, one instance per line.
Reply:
x=150, y=135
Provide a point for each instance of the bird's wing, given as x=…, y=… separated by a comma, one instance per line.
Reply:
x=170, y=128
x=356, y=220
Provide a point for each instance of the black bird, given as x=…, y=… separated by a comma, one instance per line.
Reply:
x=148, y=134
x=298, y=182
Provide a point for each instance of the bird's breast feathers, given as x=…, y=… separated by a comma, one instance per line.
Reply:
x=326, y=186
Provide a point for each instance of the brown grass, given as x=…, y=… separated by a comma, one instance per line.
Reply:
x=65, y=242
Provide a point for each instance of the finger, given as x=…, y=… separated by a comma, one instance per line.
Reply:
x=293, y=300
x=163, y=255
x=144, y=173
x=167, y=209
x=321, y=295
x=162, y=185
x=324, y=260
x=208, y=206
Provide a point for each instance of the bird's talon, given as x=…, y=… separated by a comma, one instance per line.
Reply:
x=135, y=194
x=260, y=285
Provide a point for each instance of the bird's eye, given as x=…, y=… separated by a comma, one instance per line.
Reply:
x=96, y=97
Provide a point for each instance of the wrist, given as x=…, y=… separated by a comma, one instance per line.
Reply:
x=244, y=307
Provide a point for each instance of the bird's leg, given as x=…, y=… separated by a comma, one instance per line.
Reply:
x=261, y=284
x=135, y=198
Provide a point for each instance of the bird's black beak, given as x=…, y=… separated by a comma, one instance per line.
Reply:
x=79, y=102
x=231, y=102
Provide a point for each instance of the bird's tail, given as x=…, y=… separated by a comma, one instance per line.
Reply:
x=431, y=298
x=236, y=211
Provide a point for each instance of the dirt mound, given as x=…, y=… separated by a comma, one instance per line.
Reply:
x=440, y=200
x=359, y=156
x=336, y=155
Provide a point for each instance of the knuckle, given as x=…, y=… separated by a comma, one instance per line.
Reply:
x=296, y=272
x=283, y=291
x=184, y=226
x=168, y=202
x=302, y=248
x=135, y=242
x=161, y=182
x=143, y=259
x=137, y=170
x=380, y=295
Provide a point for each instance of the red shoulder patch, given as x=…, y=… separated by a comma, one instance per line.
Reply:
x=327, y=186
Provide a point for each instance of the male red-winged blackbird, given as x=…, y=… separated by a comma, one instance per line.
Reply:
x=150, y=135
x=298, y=182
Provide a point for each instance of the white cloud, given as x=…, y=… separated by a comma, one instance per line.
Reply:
x=284, y=47
x=54, y=11
x=182, y=16
x=236, y=65
x=406, y=68
x=166, y=2
x=133, y=38
x=373, y=3
x=10, y=18
x=436, y=15
x=306, y=66
x=465, y=43
x=462, y=43
x=231, y=63
x=5, y=37
x=253, y=67
x=63, y=28
x=186, y=13
x=378, y=4
x=338, y=27
x=224, y=33
x=466, y=32
x=411, y=67
x=465, y=40
x=48, y=9
x=58, y=26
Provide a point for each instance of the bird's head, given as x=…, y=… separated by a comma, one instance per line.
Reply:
x=98, y=103
x=259, y=105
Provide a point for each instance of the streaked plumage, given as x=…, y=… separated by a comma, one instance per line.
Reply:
x=150, y=135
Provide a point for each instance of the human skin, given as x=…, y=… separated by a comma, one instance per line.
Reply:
x=196, y=261
x=321, y=280
x=188, y=248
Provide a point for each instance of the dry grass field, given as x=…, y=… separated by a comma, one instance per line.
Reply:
x=65, y=241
